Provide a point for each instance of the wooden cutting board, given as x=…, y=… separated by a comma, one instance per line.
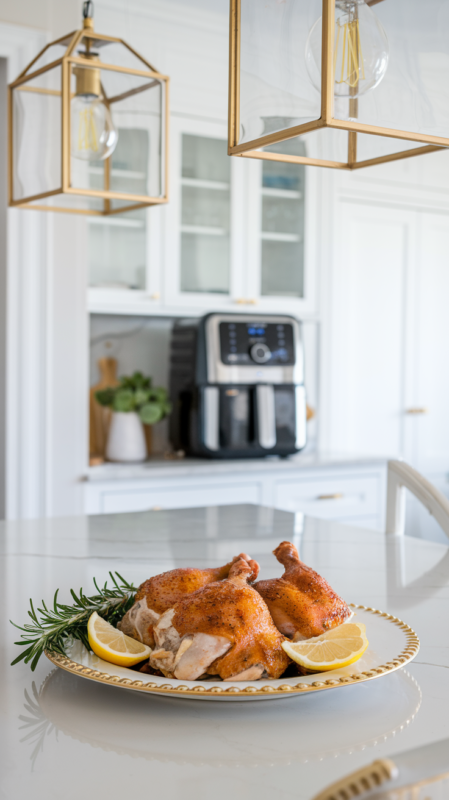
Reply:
x=99, y=416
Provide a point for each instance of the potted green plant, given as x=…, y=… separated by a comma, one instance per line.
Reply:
x=134, y=403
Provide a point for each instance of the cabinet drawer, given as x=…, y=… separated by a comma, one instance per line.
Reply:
x=123, y=500
x=332, y=497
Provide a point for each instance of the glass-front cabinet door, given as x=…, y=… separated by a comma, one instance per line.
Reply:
x=237, y=233
x=205, y=216
x=280, y=240
x=123, y=249
x=204, y=219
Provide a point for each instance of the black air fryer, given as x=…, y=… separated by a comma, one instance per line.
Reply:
x=237, y=386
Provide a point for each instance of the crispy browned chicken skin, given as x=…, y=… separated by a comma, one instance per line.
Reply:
x=223, y=629
x=163, y=591
x=301, y=603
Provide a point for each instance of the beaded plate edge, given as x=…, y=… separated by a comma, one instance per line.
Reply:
x=408, y=654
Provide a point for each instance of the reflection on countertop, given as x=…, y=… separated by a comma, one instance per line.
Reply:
x=164, y=729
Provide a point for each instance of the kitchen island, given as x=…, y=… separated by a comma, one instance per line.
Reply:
x=65, y=737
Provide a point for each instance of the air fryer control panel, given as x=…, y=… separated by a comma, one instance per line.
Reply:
x=262, y=343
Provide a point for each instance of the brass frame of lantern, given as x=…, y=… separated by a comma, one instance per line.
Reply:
x=326, y=120
x=67, y=62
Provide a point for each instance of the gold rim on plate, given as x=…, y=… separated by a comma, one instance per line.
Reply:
x=408, y=654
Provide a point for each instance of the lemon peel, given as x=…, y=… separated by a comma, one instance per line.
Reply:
x=334, y=649
x=114, y=646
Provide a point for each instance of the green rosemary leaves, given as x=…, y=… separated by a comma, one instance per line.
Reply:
x=51, y=627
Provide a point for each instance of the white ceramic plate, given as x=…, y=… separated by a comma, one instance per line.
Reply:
x=392, y=644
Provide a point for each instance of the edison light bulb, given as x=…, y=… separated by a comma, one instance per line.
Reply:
x=361, y=50
x=93, y=135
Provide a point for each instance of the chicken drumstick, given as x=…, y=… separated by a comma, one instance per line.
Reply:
x=161, y=592
x=301, y=603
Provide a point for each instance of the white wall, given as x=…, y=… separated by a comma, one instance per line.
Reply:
x=45, y=348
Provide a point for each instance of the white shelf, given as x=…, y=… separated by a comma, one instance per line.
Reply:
x=280, y=237
x=117, y=222
x=203, y=230
x=119, y=173
x=198, y=183
x=288, y=194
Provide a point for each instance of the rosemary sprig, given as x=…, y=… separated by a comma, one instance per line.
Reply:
x=61, y=622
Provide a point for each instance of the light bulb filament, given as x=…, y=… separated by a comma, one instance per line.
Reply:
x=348, y=48
x=87, y=134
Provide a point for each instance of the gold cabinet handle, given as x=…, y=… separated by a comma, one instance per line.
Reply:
x=416, y=410
x=245, y=301
x=310, y=413
x=335, y=496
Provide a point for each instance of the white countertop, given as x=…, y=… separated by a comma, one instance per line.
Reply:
x=177, y=467
x=63, y=737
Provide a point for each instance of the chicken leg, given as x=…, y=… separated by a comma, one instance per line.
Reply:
x=158, y=594
x=301, y=603
x=223, y=629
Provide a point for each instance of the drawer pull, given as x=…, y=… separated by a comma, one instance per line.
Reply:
x=417, y=411
x=245, y=301
x=335, y=496
x=310, y=413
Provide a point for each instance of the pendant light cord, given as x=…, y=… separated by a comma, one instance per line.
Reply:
x=88, y=9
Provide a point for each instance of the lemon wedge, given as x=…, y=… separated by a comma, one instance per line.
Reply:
x=112, y=645
x=332, y=650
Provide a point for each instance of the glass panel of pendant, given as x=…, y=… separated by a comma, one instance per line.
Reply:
x=118, y=244
x=283, y=190
x=205, y=215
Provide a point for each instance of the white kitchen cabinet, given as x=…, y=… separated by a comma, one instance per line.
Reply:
x=344, y=491
x=385, y=360
x=124, y=249
x=331, y=495
x=175, y=495
x=282, y=234
x=429, y=424
x=237, y=234
x=368, y=318
x=203, y=222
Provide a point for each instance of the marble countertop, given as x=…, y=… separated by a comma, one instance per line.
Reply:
x=159, y=467
x=65, y=737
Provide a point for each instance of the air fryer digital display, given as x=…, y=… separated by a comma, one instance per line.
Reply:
x=257, y=343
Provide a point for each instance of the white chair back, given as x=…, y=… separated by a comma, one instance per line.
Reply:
x=401, y=477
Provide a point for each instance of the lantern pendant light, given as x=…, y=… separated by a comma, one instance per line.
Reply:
x=88, y=127
x=337, y=91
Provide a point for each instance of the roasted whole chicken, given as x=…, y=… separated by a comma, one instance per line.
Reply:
x=223, y=629
x=162, y=592
x=301, y=603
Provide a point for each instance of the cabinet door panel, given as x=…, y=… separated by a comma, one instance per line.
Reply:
x=203, y=219
x=431, y=429
x=368, y=322
x=330, y=497
x=177, y=496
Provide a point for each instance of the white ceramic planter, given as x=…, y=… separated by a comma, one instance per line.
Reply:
x=126, y=438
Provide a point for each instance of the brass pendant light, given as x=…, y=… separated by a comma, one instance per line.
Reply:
x=88, y=127
x=355, y=88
